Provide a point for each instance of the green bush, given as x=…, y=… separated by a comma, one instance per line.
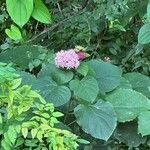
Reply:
x=27, y=121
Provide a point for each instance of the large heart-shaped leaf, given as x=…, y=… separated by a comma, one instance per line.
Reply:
x=107, y=75
x=58, y=95
x=124, y=84
x=20, y=10
x=48, y=88
x=99, y=119
x=86, y=89
x=58, y=75
x=139, y=82
x=127, y=133
x=128, y=103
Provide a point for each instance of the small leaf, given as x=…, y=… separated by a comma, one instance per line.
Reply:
x=41, y=13
x=19, y=142
x=15, y=83
x=14, y=33
x=82, y=141
x=57, y=114
x=34, y=132
x=12, y=134
x=24, y=132
x=40, y=135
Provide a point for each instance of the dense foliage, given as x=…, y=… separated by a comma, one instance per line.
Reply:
x=27, y=121
x=105, y=96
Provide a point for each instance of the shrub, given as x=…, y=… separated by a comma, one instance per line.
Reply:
x=27, y=121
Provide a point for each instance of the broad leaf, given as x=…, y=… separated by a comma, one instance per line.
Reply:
x=58, y=75
x=40, y=12
x=20, y=10
x=128, y=104
x=48, y=88
x=139, y=82
x=144, y=123
x=107, y=75
x=144, y=34
x=21, y=55
x=86, y=89
x=99, y=119
x=125, y=84
x=83, y=68
x=127, y=133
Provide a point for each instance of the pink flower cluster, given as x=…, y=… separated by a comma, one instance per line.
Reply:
x=67, y=59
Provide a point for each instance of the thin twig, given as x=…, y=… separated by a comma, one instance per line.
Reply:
x=54, y=26
x=58, y=5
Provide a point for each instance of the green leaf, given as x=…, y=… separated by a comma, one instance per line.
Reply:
x=51, y=92
x=148, y=11
x=58, y=75
x=20, y=10
x=12, y=134
x=34, y=132
x=57, y=114
x=24, y=132
x=99, y=119
x=14, y=33
x=40, y=135
x=139, y=82
x=144, y=34
x=128, y=103
x=41, y=13
x=19, y=142
x=48, y=88
x=86, y=89
x=5, y=145
x=15, y=83
x=143, y=123
x=1, y=119
x=125, y=84
x=107, y=75
x=83, y=68
x=21, y=55
x=127, y=133
x=82, y=141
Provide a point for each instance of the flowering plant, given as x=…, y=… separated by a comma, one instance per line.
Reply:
x=69, y=59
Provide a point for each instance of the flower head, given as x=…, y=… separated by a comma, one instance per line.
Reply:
x=67, y=59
